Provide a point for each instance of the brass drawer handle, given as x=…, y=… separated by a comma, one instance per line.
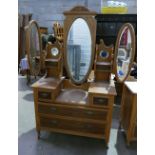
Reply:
x=53, y=109
x=100, y=100
x=89, y=112
x=43, y=94
x=54, y=122
x=88, y=126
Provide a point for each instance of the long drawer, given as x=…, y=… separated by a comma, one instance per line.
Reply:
x=72, y=125
x=87, y=113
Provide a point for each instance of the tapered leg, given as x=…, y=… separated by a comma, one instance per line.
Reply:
x=28, y=77
x=128, y=143
x=106, y=143
x=38, y=132
x=119, y=127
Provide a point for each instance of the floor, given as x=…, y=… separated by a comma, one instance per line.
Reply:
x=61, y=144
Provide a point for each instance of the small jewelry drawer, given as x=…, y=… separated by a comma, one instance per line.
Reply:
x=50, y=64
x=44, y=95
x=86, y=113
x=103, y=67
x=72, y=125
x=100, y=101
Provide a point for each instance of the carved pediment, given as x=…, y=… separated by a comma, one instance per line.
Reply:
x=80, y=10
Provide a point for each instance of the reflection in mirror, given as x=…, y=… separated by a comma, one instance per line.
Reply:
x=124, y=53
x=34, y=49
x=79, y=50
x=54, y=51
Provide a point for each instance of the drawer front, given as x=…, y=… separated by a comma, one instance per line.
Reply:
x=73, y=112
x=72, y=125
x=44, y=95
x=103, y=67
x=103, y=101
x=51, y=64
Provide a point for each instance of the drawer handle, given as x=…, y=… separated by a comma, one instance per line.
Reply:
x=43, y=94
x=54, y=122
x=100, y=100
x=53, y=109
x=89, y=113
x=88, y=126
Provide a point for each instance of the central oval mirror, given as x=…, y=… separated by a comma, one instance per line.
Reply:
x=79, y=50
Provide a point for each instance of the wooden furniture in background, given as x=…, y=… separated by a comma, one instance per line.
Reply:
x=23, y=21
x=33, y=49
x=43, y=30
x=128, y=119
x=58, y=31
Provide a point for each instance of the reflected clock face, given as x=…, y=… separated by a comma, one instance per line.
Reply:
x=54, y=51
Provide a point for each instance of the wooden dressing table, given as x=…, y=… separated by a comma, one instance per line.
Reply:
x=81, y=104
x=79, y=111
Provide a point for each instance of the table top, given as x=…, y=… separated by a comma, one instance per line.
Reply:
x=47, y=83
x=104, y=88
x=132, y=85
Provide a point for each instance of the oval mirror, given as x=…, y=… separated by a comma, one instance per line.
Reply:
x=124, y=52
x=79, y=51
x=54, y=51
x=104, y=54
x=33, y=45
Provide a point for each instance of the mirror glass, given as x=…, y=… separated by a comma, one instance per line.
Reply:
x=34, y=55
x=54, y=51
x=124, y=53
x=79, y=50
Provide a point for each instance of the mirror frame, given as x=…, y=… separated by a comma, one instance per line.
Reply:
x=28, y=31
x=131, y=29
x=88, y=16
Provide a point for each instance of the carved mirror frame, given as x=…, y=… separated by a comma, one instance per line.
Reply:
x=88, y=16
x=131, y=29
x=28, y=44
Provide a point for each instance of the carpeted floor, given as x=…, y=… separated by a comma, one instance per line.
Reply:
x=61, y=144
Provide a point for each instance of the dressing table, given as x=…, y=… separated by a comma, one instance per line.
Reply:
x=81, y=104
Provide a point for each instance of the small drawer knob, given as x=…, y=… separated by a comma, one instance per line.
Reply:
x=53, y=109
x=89, y=113
x=54, y=122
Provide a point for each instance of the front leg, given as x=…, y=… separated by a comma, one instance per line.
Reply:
x=38, y=133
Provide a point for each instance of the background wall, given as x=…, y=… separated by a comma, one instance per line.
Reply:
x=46, y=12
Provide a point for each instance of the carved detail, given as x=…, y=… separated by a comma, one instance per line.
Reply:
x=102, y=46
x=80, y=10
